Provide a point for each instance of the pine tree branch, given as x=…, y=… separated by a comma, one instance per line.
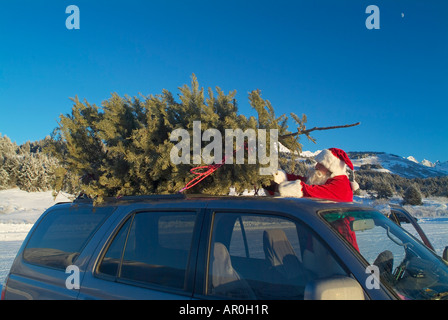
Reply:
x=317, y=129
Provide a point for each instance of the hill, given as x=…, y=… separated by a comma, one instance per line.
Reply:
x=404, y=167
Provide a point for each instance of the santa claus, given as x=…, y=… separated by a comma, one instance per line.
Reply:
x=328, y=179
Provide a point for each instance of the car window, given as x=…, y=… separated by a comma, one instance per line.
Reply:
x=403, y=263
x=255, y=256
x=404, y=219
x=151, y=248
x=59, y=238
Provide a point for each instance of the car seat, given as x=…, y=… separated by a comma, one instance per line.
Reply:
x=280, y=254
x=225, y=281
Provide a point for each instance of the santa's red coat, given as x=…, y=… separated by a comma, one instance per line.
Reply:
x=336, y=188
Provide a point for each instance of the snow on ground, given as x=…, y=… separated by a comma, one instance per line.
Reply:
x=18, y=206
x=432, y=217
x=433, y=207
x=19, y=210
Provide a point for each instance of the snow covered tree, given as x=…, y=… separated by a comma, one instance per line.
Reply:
x=7, y=148
x=412, y=196
x=9, y=163
x=384, y=190
x=26, y=166
x=4, y=179
x=28, y=174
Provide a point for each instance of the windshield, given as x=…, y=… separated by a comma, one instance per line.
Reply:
x=413, y=271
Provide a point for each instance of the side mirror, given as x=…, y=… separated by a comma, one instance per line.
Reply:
x=334, y=288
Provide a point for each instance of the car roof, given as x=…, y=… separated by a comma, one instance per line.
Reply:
x=262, y=203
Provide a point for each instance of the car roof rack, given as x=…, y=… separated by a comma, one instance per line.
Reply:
x=83, y=198
x=149, y=197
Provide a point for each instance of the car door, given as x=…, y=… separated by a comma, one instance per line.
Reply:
x=263, y=255
x=150, y=255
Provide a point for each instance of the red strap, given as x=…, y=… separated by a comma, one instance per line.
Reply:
x=209, y=170
x=200, y=175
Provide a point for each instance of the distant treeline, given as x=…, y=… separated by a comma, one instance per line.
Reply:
x=27, y=166
x=371, y=180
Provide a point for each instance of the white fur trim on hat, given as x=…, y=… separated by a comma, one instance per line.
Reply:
x=291, y=189
x=333, y=164
x=280, y=176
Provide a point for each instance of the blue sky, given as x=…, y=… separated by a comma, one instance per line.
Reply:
x=313, y=57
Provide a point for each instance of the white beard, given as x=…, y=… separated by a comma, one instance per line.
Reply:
x=316, y=177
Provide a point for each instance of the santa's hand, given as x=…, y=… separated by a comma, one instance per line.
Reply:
x=354, y=185
x=280, y=176
x=291, y=189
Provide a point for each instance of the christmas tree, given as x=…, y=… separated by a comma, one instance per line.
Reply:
x=127, y=146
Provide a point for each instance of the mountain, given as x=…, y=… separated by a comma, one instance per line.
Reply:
x=442, y=166
x=411, y=158
x=404, y=167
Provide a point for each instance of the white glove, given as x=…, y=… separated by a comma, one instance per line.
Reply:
x=280, y=176
x=291, y=189
x=354, y=185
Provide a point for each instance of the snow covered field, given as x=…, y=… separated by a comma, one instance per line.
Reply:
x=19, y=210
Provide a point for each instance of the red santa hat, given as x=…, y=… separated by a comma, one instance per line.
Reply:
x=335, y=160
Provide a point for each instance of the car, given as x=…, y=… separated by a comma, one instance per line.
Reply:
x=195, y=247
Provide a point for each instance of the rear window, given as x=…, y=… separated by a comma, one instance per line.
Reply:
x=62, y=234
x=151, y=248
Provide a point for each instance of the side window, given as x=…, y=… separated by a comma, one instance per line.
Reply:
x=254, y=256
x=112, y=259
x=151, y=248
x=62, y=234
